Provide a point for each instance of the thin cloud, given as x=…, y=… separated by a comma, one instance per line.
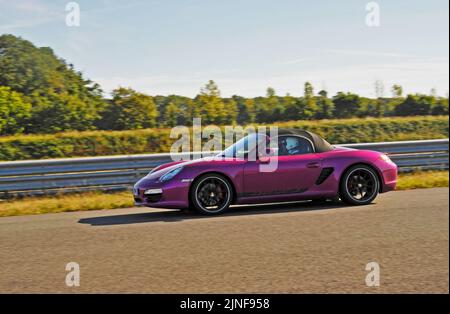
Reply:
x=107, y=5
x=27, y=23
x=296, y=61
x=355, y=78
x=32, y=6
x=369, y=53
x=34, y=13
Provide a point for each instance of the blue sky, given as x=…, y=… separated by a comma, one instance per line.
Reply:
x=176, y=46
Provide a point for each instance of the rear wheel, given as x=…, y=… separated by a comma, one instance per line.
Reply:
x=360, y=185
x=211, y=194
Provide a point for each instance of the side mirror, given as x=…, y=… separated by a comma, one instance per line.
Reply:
x=265, y=158
x=270, y=151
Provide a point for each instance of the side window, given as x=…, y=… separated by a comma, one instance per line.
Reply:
x=293, y=145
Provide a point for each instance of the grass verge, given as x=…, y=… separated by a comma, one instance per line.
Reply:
x=65, y=203
x=98, y=200
x=422, y=180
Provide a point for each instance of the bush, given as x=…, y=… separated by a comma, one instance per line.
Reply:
x=14, y=111
x=99, y=143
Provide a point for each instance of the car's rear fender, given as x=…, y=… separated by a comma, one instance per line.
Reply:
x=342, y=160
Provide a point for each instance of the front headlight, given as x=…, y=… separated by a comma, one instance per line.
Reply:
x=169, y=175
x=386, y=159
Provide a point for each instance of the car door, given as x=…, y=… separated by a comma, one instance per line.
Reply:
x=295, y=173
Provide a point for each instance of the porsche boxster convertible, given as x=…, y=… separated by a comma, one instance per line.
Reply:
x=307, y=168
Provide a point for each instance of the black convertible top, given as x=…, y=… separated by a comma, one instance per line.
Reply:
x=320, y=144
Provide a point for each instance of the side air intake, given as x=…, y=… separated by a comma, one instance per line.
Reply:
x=324, y=174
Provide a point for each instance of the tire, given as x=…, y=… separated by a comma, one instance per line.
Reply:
x=211, y=194
x=360, y=185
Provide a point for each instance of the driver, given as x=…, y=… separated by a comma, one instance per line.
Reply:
x=289, y=146
x=293, y=146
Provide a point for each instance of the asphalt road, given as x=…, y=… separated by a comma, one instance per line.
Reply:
x=291, y=248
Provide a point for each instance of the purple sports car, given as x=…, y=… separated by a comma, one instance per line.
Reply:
x=307, y=168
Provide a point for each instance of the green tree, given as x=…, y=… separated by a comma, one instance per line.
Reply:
x=346, y=105
x=440, y=107
x=415, y=105
x=273, y=108
x=231, y=110
x=14, y=111
x=323, y=93
x=372, y=107
x=270, y=92
x=308, y=90
x=308, y=105
x=128, y=110
x=325, y=106
x=307, y=108
x=263, y=110
x=242, y=113
x=291, y=108
x=246, y=110
x=182, y=110
x=397, y=91
x=391, y=104
x=380, y=107
x=62, y=99
x=211, y=104
x=171, y=115
x=192, y=111
x=379, y=89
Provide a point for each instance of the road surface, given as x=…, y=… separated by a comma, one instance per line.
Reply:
x=293, y=248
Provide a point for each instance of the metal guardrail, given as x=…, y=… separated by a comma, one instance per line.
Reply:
x=120, y=172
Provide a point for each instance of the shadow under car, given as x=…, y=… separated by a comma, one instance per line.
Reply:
x=179, y=215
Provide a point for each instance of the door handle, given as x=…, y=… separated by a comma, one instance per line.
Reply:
x=314, y=164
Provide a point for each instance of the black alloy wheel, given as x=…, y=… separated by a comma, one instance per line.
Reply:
x=360, y=185
x=211, y=194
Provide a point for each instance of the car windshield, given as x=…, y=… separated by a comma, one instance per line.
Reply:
x=242, y=147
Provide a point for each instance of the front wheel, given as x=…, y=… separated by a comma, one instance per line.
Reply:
x=360, y=185
x=211, y=194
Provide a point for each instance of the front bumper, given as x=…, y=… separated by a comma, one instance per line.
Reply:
x=390, y=180
x=172, y=194
x=389, y=174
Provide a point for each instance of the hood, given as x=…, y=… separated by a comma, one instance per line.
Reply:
x=163, y=169
x=341, y=148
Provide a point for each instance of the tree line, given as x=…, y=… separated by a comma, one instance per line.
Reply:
x=41, y=93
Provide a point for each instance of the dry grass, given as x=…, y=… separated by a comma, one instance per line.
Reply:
x=422, y=180
x=65, y=203
x=98, y=200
